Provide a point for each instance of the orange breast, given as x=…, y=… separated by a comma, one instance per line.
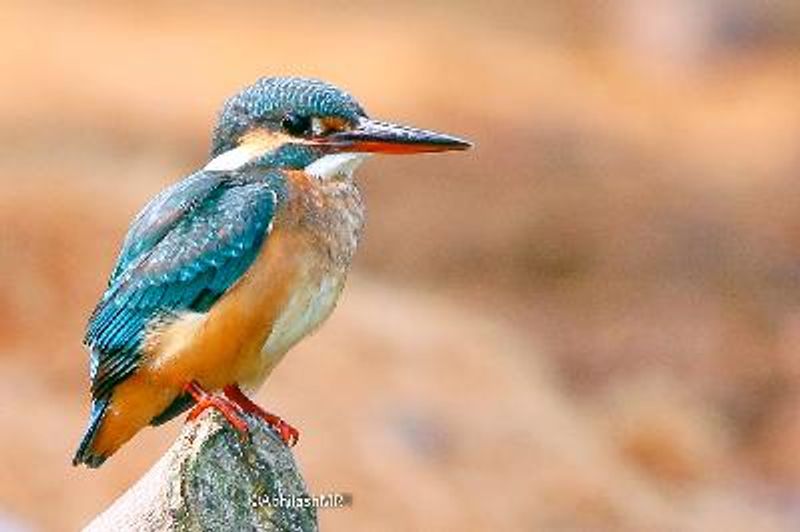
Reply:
x=223, y=346
x=217, y=348
x=291, y=287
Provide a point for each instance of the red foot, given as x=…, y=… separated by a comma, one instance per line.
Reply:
x=206, y=400
x=288, y=433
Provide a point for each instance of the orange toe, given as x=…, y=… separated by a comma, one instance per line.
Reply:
x=226, y=407
x=288, y=433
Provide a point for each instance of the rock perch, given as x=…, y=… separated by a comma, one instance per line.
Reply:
x=212, y=480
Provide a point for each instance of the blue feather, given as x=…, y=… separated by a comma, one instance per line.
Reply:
x=183, y=251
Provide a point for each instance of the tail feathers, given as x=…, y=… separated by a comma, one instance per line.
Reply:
x=85, y=453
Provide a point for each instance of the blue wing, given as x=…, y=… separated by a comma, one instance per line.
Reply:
x=185, y=249
x=160, y=215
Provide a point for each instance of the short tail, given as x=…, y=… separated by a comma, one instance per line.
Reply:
x=85, y=453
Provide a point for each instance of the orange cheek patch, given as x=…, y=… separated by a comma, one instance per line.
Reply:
x=332, y=124
x=260, y=141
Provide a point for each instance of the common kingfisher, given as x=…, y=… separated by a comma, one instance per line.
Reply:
x=224, y=271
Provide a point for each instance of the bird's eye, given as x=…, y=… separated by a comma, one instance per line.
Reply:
x=296, y=125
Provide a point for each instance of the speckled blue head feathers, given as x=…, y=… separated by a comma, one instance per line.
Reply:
x=268, y=101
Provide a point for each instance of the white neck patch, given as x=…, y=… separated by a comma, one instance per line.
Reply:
x=327, y=166
x=343, y=164
x=232, y=159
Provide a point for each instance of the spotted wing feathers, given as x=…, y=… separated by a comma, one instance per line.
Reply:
x=186, y=248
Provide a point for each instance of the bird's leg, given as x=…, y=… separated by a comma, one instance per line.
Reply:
x=205, y=400
x=288, y=433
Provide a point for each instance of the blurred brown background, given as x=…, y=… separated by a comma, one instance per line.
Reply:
x=589, y=322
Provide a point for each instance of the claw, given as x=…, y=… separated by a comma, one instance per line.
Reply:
x=288, y=433
x=224, y=405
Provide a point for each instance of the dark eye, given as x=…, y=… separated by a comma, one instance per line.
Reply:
x=296, y=125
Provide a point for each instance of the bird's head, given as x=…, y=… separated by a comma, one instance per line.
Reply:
x=307, y=124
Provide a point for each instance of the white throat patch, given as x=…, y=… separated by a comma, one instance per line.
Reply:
x=335, y=164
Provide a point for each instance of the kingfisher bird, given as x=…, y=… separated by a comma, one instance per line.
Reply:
x=223, y=272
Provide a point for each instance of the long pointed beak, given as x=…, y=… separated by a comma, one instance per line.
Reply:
x=373, y=136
